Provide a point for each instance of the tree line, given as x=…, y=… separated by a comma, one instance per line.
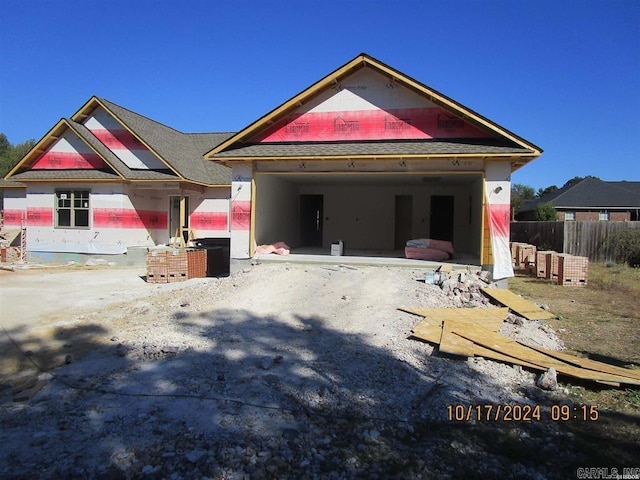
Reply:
x=10, y=154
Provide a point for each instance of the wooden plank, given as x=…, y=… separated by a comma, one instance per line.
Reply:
x=452, y=343
x=518, y=304
x=590, y=364
x=496, y=342
x=428, y=332
x=481, y=351
x=492, y=318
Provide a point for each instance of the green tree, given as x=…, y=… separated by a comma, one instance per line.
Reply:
x=10, y=155
x=575, y=180
x=545, y=212
x=544, y=191
x=520, y=193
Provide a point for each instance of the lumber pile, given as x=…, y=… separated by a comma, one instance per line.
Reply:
x=473, y=332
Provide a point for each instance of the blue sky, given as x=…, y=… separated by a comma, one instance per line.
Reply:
x=564, y=75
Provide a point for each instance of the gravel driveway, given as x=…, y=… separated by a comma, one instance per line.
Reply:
x=279, y=371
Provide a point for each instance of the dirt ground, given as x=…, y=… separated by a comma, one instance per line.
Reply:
x=278, y=371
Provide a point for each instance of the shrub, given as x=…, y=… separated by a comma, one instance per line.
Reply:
x=545, y=212
x=626, y=246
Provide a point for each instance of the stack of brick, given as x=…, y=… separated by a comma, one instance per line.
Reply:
x=544, y=263
x=525, y=257
x=157, y=271
x=514, y=253
x=196, y=263
x=176, y=265
x=572, y=270
x=560, y=268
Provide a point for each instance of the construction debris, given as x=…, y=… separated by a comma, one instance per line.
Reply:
x=472, y=332
x=518, y=304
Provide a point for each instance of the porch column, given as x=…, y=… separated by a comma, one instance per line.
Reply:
x=241, y=175
x=498, y=216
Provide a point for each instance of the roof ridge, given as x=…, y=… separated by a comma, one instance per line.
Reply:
x=567, y=188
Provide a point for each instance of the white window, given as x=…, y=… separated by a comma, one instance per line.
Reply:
x=604, y=215
x=72, y=208
x=569, y=215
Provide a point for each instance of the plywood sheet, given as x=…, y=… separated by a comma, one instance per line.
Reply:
x=481, y=351
x=590, y=364
x=452, y=343
x=518, y=304
x=501, y=344
x=491, y=318
x=428, y=332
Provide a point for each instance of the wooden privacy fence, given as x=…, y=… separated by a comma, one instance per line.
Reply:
x=585, y=239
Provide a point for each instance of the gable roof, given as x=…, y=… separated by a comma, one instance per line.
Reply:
x=590, y=193
x=181, y=153
x=239, y=146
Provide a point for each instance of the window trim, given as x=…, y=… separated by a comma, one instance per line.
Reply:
x=605, y=214
x=71, y=208
x=571, y=214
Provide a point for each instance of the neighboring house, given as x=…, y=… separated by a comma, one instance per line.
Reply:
x=590, y=199
x=108, y=179
x=366, y=155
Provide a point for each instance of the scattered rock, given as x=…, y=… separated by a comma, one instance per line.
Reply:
x=548, y=380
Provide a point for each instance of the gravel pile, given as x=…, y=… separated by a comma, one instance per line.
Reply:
x=279, y=371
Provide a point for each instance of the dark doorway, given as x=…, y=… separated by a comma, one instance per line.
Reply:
x=441, y=219
x=403, y=220
x=311, y=220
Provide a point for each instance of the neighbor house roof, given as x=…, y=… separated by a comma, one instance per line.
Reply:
x=590, y=193
x=240, y=147
x=182, y=153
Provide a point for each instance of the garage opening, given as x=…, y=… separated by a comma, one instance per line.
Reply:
x=374, y=214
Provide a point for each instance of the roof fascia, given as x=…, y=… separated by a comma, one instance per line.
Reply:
x=93, y=103
x=72, y=180
x=489, y=156
x=366, y=60
x=51, y=136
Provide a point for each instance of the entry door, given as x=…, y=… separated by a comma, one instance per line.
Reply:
x=311, y=220
x=174, y=216
x=441, y=219
x=403, y=220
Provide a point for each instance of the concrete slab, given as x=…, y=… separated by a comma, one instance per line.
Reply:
x=370, y=258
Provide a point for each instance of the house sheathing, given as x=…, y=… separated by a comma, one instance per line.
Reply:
x=358, y=139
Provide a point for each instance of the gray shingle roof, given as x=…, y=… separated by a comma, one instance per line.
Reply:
x=9, y=184
x=115, y=162
x=371, y=148
x=631, y=186
x=183, y=152
x=66, y=175
x=588, y=193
